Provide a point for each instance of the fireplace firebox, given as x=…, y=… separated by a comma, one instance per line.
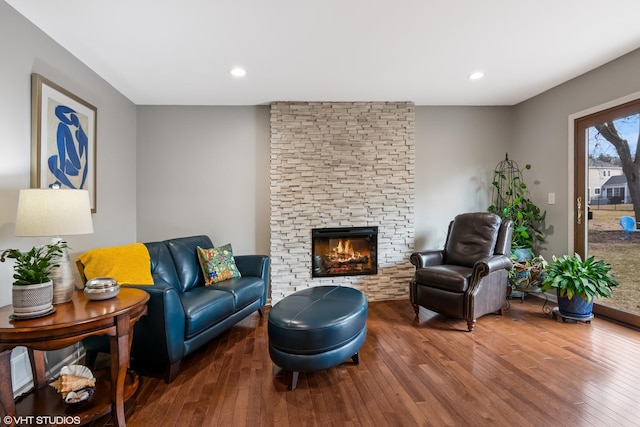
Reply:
x=349, y=251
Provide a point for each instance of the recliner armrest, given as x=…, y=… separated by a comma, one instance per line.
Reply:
x=428, y=257
x=491, y=264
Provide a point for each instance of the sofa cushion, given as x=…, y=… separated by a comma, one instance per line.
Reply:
x=184, y=253
x=204, y=307
x=245, y=290
x=218, y=264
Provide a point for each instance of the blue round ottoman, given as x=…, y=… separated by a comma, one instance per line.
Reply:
x=317, y=328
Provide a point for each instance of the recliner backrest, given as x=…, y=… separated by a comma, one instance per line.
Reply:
x=472, y=237
x=505, y=234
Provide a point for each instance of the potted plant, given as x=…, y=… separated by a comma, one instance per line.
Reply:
x=577, y=282
x=527, y=275
x=32, y=292
x=510, y=200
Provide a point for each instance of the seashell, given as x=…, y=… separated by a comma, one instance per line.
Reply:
x=74, y=382
x=76, y=379
x=77, y=370
x=79, y=396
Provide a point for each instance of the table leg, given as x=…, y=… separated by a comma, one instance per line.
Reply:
x=7, y=403
x=38, y=368
x=119, y=363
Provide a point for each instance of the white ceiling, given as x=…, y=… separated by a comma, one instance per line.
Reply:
x=180, y=52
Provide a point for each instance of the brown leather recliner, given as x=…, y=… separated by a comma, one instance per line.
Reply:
x=468, y=278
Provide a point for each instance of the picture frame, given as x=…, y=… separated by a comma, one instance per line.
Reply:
x=63, y=138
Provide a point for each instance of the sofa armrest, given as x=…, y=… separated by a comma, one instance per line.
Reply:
x=255, y=265
x=252, y=265
x=160, y=334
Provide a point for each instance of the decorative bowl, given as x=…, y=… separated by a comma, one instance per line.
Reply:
x=101, y=288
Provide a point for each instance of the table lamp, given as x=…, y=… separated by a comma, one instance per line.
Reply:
x=55, y=212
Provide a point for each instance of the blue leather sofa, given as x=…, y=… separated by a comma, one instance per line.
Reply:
x=183, y=313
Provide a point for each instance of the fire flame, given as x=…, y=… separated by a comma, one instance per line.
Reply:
x=344, y=251
x=343, y=257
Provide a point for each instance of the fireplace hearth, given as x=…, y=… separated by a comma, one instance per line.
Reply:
x=348, y=251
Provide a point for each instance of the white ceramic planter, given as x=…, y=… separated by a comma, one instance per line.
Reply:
x=32, y=300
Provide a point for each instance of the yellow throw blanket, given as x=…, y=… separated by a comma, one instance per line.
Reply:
x=127, y=264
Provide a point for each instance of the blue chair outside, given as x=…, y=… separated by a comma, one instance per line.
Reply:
x=628, y=226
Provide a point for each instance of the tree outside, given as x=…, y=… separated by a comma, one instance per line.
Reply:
x=615, y=142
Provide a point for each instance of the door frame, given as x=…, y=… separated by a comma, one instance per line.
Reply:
x=618, y=315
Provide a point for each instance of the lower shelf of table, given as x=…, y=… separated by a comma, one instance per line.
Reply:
x=47, y=401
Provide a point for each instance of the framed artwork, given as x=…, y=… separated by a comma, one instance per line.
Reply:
x=63, y=139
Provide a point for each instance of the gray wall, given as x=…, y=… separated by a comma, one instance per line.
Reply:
x=541, y=137
x=204, y=170
x=24, y=50
x=457, y=149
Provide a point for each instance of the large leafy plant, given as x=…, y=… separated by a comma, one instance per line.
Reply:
x=511, y=201
x=574, y=277
x=34, y=266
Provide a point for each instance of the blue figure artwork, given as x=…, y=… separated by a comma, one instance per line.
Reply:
x=70, y=164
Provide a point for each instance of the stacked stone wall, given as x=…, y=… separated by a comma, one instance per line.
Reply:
x=347, y=164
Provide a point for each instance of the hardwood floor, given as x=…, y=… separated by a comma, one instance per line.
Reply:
x=520, y=369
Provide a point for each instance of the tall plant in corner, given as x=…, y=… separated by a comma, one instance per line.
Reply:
x=510, y=200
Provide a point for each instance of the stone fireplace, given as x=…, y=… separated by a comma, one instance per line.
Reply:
x=338, y=165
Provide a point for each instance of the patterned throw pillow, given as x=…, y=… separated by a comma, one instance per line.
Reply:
x=218, y=264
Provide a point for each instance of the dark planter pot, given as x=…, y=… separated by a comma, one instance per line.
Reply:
x=575, y=307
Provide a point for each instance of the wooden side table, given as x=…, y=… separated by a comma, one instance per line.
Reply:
x=72, y=322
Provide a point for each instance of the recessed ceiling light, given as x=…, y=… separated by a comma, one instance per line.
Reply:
x=476, y=76
x=238, y=72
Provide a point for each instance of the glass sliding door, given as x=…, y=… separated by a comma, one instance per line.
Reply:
x=607, y=188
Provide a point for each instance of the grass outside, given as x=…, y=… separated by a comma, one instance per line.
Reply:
x=606, y=242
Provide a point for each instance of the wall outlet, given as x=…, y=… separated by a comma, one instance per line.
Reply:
x=552, y=198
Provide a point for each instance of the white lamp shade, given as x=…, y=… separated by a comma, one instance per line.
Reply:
x=53, y=212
